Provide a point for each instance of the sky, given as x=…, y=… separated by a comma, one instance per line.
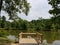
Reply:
x=39, y=8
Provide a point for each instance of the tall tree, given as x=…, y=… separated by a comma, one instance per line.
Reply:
x=55, y=11
x=55, y=7
x=13, y=6
x=3, y=23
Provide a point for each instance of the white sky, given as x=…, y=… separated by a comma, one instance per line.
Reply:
x=39, y=8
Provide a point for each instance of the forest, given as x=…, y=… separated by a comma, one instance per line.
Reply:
x=52, y=24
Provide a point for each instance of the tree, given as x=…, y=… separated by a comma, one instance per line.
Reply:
x=13, y=24
x=3, y=18
x=55, y=7
x=8, y=25
x=14, y=6
x=53, y=27
x=56, y=13
x=3, y=23
x=0, y=21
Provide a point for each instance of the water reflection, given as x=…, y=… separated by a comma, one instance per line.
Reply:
x=57, y=42
x=12, y=38
x=44, y=42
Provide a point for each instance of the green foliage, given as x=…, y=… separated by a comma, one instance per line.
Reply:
x=3, y=33
x=55, y=7
x=35, y=25
x=17, y=26
x=4, y=41
x=3, y=22
x=14, y=6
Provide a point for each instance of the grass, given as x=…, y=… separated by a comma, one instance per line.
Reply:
x=3, y=41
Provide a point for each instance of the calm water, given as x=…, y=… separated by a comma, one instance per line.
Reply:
x=56, y=42
x=51, y=38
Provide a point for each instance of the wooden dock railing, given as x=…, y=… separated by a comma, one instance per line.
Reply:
x=30, y=38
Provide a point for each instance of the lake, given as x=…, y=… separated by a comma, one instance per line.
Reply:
x=56, y=42
x=51, y=38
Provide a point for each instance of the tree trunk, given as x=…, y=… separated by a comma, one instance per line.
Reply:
x=1, y=1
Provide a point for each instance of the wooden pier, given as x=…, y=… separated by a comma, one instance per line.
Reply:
x=30, y=38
